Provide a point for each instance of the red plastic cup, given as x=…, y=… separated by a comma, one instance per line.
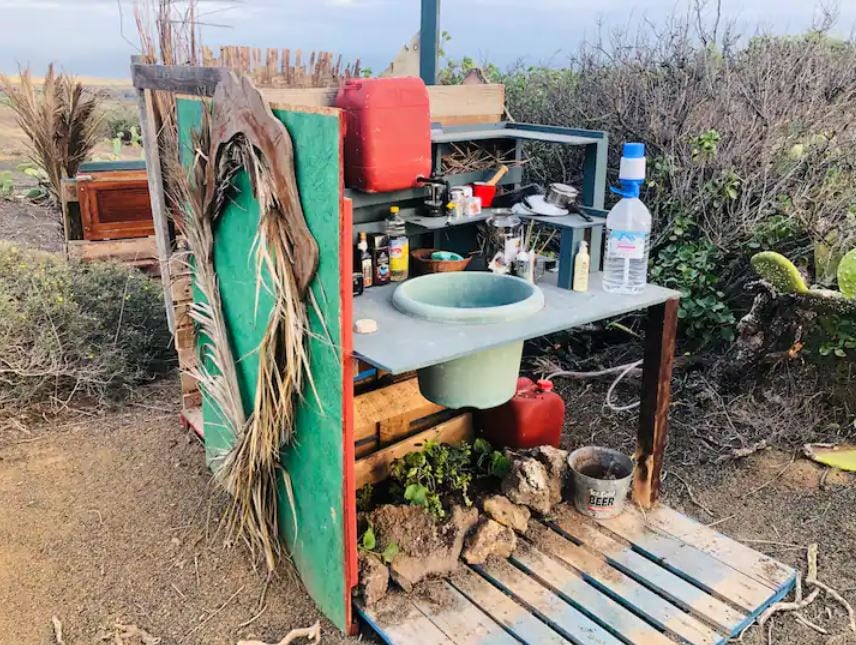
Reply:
x=485, y=191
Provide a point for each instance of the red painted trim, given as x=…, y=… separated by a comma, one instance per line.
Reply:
x=187, y=424
x=349, y=495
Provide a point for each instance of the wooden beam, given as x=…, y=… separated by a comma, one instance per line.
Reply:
x=375, y=467
x=386, y=413
x=135, y=248
x=656, y=396
x=449, y=104
x=182, y=79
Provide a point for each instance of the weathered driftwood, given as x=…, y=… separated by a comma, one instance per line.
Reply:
x=240, y=110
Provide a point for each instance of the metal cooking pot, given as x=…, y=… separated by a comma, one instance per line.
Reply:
x=561, y=195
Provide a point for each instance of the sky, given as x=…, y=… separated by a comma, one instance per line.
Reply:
x=96, y=37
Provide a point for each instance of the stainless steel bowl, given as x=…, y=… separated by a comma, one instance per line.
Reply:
x=561, y=195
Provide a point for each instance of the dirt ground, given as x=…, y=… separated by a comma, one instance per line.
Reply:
x=112, y=519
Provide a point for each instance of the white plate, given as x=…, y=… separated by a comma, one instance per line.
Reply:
x=538, y=205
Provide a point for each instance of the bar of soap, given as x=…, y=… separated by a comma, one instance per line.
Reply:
x=365, y=326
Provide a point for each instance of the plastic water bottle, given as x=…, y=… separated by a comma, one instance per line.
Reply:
x=628, y=228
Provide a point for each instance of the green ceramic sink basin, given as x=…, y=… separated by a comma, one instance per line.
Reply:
x=487, y=378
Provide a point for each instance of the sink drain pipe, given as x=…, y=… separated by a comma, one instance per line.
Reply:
x=621, y=370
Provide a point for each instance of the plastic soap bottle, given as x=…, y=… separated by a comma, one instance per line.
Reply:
x=628, y=228
x=399, y=247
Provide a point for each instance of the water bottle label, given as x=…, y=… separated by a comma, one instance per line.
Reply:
x=628, y=245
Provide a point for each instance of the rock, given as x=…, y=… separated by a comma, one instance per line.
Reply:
x=489, y=538
x=556, y=462
x=374, y=578
x=507, y=513
x=528, y=483
x=426, y=547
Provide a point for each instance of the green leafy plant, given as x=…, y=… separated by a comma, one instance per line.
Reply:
x=705, y=145
x=838, y=338
x=441, y=472
x=368, y=544
x=365, y=498
x=42, y=190
x=691, y=264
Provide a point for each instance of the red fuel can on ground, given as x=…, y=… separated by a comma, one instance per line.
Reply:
x=533, y=417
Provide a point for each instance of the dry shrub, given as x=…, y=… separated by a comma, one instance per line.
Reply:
x=74, y=330
x=61, y=122
x=750, y=144
x=770, y=119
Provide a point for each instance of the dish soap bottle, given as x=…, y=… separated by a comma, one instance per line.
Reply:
x=399, y=247
x=365, y=260
x=628, y=227
x=581, y=268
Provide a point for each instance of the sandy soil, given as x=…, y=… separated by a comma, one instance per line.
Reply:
x=30, y=225
x=112, y=519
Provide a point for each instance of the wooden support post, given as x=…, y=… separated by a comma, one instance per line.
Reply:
x=160, y=216
x=656, y=395
x=429, y=41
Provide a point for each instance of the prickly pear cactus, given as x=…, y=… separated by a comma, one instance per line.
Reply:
x=779, y=271
x=847, y=274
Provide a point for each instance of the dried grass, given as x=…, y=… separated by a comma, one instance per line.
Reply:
x=62, y=122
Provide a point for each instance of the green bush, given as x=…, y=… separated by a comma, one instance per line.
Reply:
x=121, y=123
x=69, y=329
x=749, y=147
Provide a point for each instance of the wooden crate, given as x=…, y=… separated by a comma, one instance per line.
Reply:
x=395, y=419
x=115, y=205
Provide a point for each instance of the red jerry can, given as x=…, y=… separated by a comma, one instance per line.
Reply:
x=533, y=417
x=388, y=132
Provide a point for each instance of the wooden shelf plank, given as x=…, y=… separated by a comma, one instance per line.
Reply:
x=375, y=467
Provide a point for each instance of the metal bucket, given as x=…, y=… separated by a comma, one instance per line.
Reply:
x=601, y=479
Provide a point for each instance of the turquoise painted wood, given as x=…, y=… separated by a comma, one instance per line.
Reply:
x=313, y=528
x=574, y=580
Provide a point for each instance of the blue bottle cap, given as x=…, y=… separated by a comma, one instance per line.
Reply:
x=633, y=150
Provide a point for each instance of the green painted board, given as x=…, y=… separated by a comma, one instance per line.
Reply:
x=315, y=460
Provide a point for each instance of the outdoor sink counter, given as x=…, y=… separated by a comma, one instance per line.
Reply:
x=404, y=343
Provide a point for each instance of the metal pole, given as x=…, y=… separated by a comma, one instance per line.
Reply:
x=429, y=41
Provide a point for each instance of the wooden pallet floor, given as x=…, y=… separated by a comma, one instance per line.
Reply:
x=655, y=578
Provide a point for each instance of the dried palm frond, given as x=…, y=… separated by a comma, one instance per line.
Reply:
x=61, y=122
x=215, y=370
x=250, y=470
